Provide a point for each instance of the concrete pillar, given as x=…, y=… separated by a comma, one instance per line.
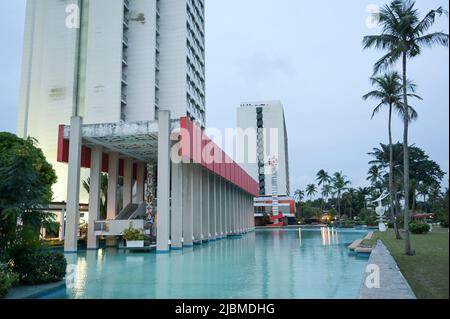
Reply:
x=219, y=207
x=127, y=182
x=205, y=205
x=111, y=205
x=140, y=182
x=177, y=207
x=73, y=186
x=113, y=174
x=188, y=230
x=94, y=195
x=225, y=206
x=230, y=209
x=233, y=210
x=197, y=202
x=62, y=224
x=163, y=192
x=212, y=207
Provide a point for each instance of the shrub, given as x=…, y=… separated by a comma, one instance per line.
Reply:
x=133, y=234
x=444, y=223
x=7, y=280
x=419, y=227
x=36, y=266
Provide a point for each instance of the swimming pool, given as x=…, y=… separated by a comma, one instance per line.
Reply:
x=278, y=263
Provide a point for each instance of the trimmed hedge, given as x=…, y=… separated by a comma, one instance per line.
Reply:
x=37, y=266
x=419, y=227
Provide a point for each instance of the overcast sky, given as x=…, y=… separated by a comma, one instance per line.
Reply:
x=306, y=54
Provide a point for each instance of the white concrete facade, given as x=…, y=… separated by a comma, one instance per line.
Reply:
x=271, y=118
x=135, y=57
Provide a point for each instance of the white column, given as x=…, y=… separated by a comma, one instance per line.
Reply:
x=205, y=204
x=230, y=209
x=140, y=182
x=177, y=207
x=127, y=182
x=225, y=206
x=212, y=207
x=113, y=174
x=163, y=192
x=233, y=212
x=188, y=230
x=73, y=186
x=111, y=206
x=94, y=195
x=62, y=224
x=219, y=207
x=197, y=202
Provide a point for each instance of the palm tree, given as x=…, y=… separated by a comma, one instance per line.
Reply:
x=311, y=190
x=327, y=191
x=403, y=36
x=299, y=195
x=389, y=93
x=323, y=179
x=374, y=174
x=340, y=183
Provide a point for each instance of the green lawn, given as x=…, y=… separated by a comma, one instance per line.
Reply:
x=427, y=272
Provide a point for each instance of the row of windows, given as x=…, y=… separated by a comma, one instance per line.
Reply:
x=194, y=49
x=196, y=24
x=199, y=9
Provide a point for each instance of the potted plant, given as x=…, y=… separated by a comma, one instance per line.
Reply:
x=134, y=238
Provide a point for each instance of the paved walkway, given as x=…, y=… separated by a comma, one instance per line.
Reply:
x=392, y=283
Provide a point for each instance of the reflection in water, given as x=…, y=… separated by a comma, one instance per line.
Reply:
x=330, y=236
x=265, y=264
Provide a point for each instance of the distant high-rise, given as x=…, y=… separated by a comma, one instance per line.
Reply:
x=264, y=117
x=133, y=58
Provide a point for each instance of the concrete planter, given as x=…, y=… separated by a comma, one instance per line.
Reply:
x=135, y=243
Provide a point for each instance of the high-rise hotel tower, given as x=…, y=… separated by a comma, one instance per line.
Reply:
x=130, y=59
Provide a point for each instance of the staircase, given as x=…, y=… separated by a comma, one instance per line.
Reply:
x=127, y=212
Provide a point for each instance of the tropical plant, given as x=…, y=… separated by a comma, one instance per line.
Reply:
x=131, y=234
x=26, y=180
x=340, y=183
x=311, y=190
x=389, y=94
x=7, y=280
x=419, y=227
x=299, y=195
x=37, y=266
x=323, y=179
x=403, y=36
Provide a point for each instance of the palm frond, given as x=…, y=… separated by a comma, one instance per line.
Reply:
x=428, y=20
x=435, y=38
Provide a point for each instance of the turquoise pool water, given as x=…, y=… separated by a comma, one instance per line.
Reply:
x=263, y=264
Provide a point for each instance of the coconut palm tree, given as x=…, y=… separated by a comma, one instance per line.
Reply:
x=403, y=36
x=340, y=183
x=327, y=191
x=323, y=179
x=389, y=93
x=311, y=190
x=299, y=195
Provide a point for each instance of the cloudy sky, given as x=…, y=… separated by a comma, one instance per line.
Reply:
x=306, y=54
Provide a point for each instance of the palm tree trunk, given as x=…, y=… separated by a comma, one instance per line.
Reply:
x=391, y=177
x=408, y=248
x=339, y=205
